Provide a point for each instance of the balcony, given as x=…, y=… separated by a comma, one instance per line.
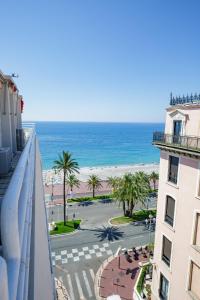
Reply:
x=181, y=144
x=24, y=246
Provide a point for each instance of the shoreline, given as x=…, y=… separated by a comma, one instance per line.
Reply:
x=102, y=171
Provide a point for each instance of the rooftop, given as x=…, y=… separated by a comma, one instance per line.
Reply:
x=192, y=99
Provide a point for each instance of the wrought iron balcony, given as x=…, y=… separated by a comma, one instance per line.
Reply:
x=192, y=99
x=189, y=143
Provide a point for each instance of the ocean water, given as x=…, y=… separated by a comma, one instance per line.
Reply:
x=98, y=144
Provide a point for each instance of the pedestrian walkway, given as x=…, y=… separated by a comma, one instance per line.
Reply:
x=80, y=285
x=120, y=275
x=75, y=255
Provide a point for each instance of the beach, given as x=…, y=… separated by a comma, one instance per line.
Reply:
x=104, y=172
x=53, y=182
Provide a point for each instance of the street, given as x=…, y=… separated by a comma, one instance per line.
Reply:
x=77, y=257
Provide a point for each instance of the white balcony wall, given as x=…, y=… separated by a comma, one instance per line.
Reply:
x=24, y=232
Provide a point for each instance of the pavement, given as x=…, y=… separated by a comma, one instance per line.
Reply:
x=120, y=275
x=76, y=258
x=96, y=214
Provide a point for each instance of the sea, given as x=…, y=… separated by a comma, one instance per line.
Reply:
x=98, y=144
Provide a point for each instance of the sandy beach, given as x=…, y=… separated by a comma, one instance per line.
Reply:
x=50, y=177
x=102, y=172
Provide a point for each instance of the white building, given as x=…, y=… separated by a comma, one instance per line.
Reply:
x=176, y=267
x=25, y=262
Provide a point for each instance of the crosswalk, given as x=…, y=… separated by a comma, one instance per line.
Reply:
x=65, y=256
x=80, y=285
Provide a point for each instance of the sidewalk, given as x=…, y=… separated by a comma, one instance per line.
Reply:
x=119, y=277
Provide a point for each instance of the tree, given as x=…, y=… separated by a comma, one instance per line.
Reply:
x=120, y=194
x=113, y=183
x=154, y=177
x=94, y=183
x=68, y=166
x=72, y=181
x=132, y=189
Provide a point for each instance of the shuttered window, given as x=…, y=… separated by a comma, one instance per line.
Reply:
x=194, y=281
x=166, y=250
x=169, y=212
x=173, y=169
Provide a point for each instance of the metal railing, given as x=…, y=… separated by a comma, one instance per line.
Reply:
x=192, y=99
x=186, y=142
x=16, y=225
x=16, y=217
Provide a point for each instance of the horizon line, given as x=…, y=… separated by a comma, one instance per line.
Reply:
x=119, y=122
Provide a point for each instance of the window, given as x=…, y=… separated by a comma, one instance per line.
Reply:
x=198, y=190
x=169, y=212
x=164, y=286
x=197, y=231
x=173, y=169
x=194, y=281
x=166, y=250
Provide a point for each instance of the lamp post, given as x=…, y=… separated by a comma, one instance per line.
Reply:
x=150, y=225
x=52, y=186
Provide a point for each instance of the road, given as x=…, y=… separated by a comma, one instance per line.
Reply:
x=77, y=257
x=96, y=214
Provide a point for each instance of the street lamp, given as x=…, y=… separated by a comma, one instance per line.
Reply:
x=150, y=224
x=52, y=186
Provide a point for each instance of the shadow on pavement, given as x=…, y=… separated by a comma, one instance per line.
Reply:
x=109, y=233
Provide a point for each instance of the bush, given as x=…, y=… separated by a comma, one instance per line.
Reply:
x=76, y=225
x=141, y=279
x=143, y=214
x=82, y=199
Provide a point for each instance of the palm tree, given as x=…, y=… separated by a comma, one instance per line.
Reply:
x=113, y=183
x=94, y=183
x=120, y=194
x=132, y=189
x=154, y=177
x=140, y=189
x=68, y=166
x=72, y=181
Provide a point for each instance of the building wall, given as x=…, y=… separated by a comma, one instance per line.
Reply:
x=10, y=112
x=190, y=115
x=187, y=203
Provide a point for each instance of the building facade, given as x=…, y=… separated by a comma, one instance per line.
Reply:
x=176, y=264
x=25, y=261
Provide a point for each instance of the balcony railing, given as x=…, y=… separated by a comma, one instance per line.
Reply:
x=18, y=227
x=185, y=142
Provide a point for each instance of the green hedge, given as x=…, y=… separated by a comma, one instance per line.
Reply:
x=141, y=279
x=71, y=226
x=81, y=199
x=141, y=215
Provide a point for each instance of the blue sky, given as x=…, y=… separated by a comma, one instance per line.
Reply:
x=101, y=60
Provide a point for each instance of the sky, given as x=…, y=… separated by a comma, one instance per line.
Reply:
x=100, y=60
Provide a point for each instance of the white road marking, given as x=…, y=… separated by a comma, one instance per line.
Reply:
x=96, y=246
x=76, y=258
x=88, y=256
x=85, y=248
x=79, y=287
x=87, y=284
x=70, y=287
x=92, y=274
x=64, y=261
x=74, y=250
x=58, y=257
